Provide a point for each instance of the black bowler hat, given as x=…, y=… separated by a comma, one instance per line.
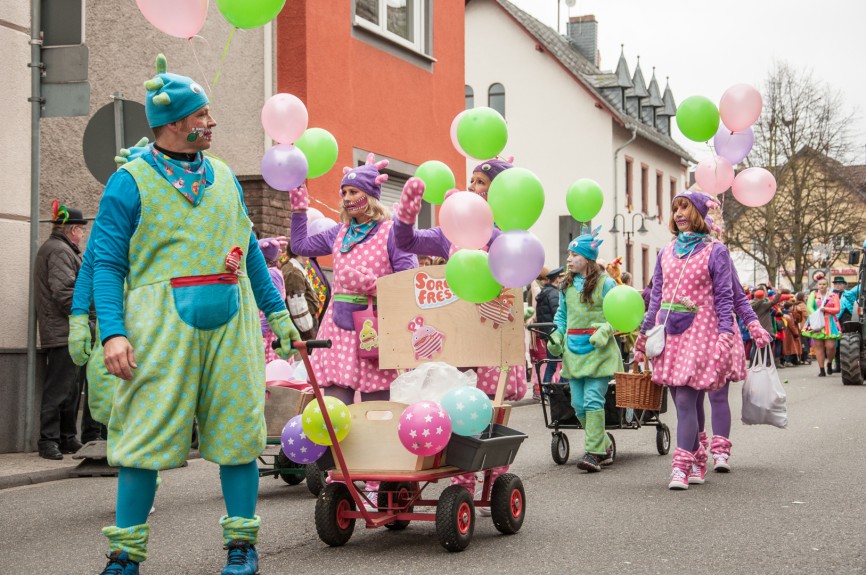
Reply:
x=555, y=273
x=63, y=215
x=840, y=280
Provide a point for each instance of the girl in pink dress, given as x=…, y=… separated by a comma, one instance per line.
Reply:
x=364, y=249
x=692, y=297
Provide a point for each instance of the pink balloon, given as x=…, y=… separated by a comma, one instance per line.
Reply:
x=454, y=141
x=466, y=220
x=733, y=146
x=180, y=19
x=425, y=428
x=714, y=175
x=320, y=225
x=279, y=370
x=754, y=187
x=740, y=107
x=313, y=214
x=284, y=118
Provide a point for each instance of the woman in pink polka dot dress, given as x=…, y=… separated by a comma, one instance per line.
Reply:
x=364, y=249
x=692, y=297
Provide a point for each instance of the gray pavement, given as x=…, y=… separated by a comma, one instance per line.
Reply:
x=794, y=503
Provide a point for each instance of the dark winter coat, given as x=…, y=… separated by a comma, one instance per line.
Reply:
x=546, y=304
x=57, y=265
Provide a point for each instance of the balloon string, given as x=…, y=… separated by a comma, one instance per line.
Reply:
x=195, y=55
x=223, y=57
x=326, y=206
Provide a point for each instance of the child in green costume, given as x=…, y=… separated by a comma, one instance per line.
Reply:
x=590, y=356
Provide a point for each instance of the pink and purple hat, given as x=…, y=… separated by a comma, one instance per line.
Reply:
x=701, y=201
x=494, y=167
x=366, y=178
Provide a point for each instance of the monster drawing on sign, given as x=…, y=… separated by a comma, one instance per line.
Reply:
x=368, y=337
x=427, y=341
x=497, y=310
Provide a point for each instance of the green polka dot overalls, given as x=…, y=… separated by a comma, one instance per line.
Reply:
x=197, y=343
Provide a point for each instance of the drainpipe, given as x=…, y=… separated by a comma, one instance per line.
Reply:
x=616, y=187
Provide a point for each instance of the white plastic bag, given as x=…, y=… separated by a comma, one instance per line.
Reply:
x=429, y=382
x=764, y=398
x=655, y=341
x=816, y=320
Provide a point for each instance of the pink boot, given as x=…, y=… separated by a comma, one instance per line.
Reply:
x=680, y=468
x=699, y=467
x=704, y=440
x=721, y=451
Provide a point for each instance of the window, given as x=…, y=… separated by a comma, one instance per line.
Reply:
x=660, y=195
x=401, y=21
x=644, y=189
x=629, y=257
x=673, y=189
x=470, y=97
x=629, y=191
x=496, y=98
x=645, y=264
x=568, y=230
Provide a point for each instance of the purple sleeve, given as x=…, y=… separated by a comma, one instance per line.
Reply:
x=430, y=242
x=400, y=260
x=311, y=246
x=742, y=306
x=720, y=272
x=655, y=303
x=279, y=282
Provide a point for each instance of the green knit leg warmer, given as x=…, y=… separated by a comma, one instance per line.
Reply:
x=596, y=438
x=240, y=528
x=132, y=540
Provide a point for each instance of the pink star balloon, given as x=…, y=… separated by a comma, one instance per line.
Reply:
x=424, y=428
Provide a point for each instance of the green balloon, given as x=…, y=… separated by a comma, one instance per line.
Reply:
x=623, y=308
x=320, y=148
x=482, y=132
x=698, y=118
x=584, y=199
x=516, y=198
x=469, y=277
x=249, y=13
x=438, y=179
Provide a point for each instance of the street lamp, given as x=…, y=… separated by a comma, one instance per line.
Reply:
x=628, y=234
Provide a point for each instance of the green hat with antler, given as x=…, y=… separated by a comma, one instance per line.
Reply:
x=171, y=97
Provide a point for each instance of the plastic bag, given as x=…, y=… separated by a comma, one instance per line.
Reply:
x=655, y=341
x=816, y=321
x=764, y=398
x=429, y=382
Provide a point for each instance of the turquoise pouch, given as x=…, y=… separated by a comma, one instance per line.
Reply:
x=579, y=343
x=206, y=302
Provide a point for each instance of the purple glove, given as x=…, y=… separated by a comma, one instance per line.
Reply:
x=410, y=201
x=299, y=199
x=360, y=281
x=758, y=334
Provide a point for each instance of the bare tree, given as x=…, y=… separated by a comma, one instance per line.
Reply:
x=802, y=138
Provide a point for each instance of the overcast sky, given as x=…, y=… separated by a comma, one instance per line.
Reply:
x=706, y=47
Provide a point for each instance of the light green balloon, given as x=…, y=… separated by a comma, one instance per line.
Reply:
x=314, y=423
x=584, y=199
x=623, y=308
x=249, y=13
x=482, y=132
x=469, y=277
x=516, y=198
x=438, y=179
x=320, y=148
x=698, y=118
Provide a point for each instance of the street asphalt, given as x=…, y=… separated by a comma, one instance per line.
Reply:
x=794, y=503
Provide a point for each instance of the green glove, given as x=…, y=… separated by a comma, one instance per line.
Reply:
x=128, y=154
x=80, y=342
x=554, y=343
x=603, y=333
x=528, y=313
x=285, y=330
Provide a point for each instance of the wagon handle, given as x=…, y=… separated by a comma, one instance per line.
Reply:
x=309, y=344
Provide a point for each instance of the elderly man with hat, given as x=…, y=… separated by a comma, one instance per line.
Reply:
x=185, y=333
x=57, y=264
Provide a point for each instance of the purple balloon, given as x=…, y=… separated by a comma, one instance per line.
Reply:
x=295, y=444
x=284, y=167
x=320, y=225
x=735, y=146
x=516, y=258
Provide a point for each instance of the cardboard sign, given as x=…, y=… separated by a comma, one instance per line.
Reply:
x=420, y=320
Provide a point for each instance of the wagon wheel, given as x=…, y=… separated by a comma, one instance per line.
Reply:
x=663, y=439
x=333, y=527
x=612, y=447
x=315, y=478
x=281, y=462
x=403, y=493
x=508, y=503
x=559, y=449
x=455, y=518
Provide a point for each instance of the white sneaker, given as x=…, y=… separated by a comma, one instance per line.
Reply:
x=152, y=509
x=720, y=463
x=679, y=480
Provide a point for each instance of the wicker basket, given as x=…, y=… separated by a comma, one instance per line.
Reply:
x=637, y=391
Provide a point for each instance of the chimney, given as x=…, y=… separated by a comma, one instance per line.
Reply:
x=583, y=35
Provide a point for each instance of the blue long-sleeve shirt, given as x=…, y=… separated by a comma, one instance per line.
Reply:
x=118, y=217
x=561, y=317
x=848, y=299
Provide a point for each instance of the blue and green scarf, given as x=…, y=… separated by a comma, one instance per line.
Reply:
x=686, y=242
x=356, y=234
x=187, y=177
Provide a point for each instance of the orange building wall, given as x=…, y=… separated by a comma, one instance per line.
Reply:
x=368, y=98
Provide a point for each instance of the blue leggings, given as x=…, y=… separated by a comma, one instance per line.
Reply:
x=136, y=489
x=587, y=394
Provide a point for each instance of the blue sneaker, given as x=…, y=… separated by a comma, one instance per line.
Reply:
x=119, y=563
x=243, y=559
